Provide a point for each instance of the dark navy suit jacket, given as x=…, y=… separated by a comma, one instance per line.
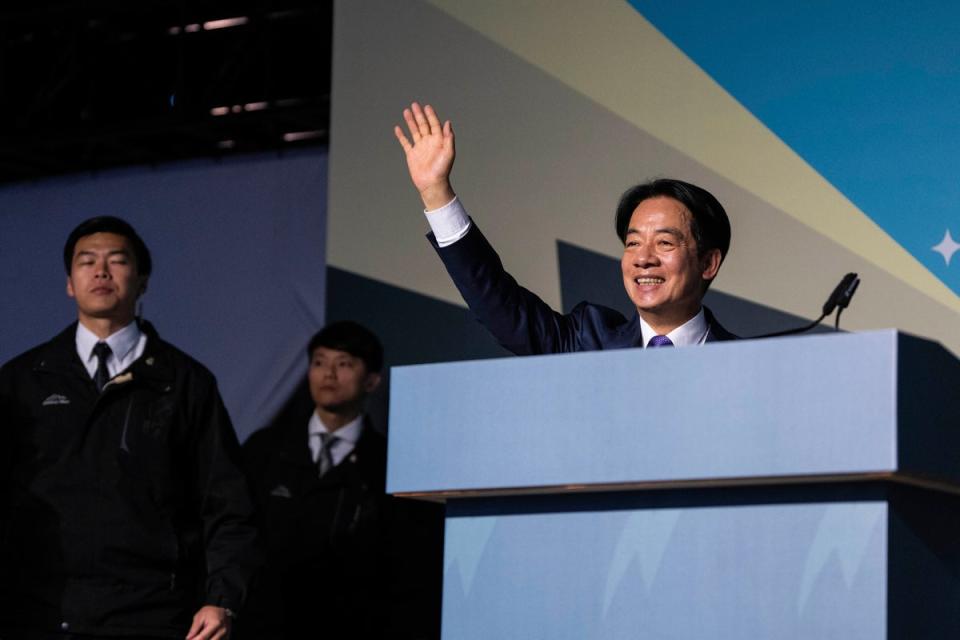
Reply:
x=525, y=324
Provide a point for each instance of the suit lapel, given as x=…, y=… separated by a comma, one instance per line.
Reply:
x=627, y=335
x=715, y=331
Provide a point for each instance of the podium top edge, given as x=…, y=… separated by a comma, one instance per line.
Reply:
x=776, y=342
x=913, y=480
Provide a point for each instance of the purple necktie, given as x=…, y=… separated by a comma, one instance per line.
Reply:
x=659, y=341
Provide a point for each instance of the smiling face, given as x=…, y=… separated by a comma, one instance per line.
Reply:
x=105, y=282
x=662, y=273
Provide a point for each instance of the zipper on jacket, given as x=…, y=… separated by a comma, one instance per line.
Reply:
x=126, y=424
x=336, y=515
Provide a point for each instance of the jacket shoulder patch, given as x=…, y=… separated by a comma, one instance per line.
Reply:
x=55, y=399
x=281, y=491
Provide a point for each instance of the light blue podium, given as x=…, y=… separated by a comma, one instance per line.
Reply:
x=786, y=488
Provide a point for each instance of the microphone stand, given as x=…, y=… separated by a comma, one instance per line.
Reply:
x=839, y=299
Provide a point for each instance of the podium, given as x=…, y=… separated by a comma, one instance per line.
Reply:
x=785, y=488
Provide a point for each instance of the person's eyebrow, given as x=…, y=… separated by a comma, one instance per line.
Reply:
x=671, y=230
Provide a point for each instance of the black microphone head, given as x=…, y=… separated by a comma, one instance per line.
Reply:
x=838, y=292
x=847, y=294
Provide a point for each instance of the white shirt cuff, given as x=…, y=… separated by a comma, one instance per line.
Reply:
x=449, y=223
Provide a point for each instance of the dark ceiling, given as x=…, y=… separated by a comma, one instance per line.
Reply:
x=91, y=85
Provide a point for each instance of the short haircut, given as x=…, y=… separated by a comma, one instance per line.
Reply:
x=109, y=224
x=709, y=223
x=353, y=338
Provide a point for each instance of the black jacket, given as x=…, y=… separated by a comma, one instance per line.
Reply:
x=122, y=512
x=344, y=558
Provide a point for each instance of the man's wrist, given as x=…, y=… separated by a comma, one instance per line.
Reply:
x=436, y=196
x=228, y=610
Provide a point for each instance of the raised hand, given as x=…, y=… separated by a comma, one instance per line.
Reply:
x=430, y=155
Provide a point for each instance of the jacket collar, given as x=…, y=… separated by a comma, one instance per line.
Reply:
x=59, y=355
x=155, y=365
x=717, y=332
x=294, y=437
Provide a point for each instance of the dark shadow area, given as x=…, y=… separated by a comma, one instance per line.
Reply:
x=928, y=409
x=924, y=565
x=112, y=83
x=32, y=560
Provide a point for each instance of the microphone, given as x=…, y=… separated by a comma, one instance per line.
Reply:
x=839, y=299
x=848, y=287
x=841, y=294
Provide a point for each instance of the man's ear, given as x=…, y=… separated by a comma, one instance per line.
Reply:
x=710, y=264
x=70, y=291
x=371, y=382
x=143, y=286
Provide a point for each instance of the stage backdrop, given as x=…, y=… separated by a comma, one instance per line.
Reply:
x=238, y=250
x=827, y=132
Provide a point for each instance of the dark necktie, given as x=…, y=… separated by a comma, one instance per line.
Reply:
x=325, y=459
x=102, y=375
x=660, y=341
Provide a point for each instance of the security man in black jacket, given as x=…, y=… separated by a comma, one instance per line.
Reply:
x=122, y=511
x=344, y=559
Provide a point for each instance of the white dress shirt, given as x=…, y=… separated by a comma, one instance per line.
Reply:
x=347, y=437
x=126, y=345
x=693, y=331
x=450, y=222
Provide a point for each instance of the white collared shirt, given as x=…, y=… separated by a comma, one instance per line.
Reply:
x=450, y=222
x=126, y=345
x=693, y=331
x=347, y=437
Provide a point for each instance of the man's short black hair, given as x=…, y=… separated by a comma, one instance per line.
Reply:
x=352, y=337
x=709, y=223
x=109, y=224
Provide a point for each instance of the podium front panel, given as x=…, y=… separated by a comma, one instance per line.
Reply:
x=815, y=405
x=711, y=573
